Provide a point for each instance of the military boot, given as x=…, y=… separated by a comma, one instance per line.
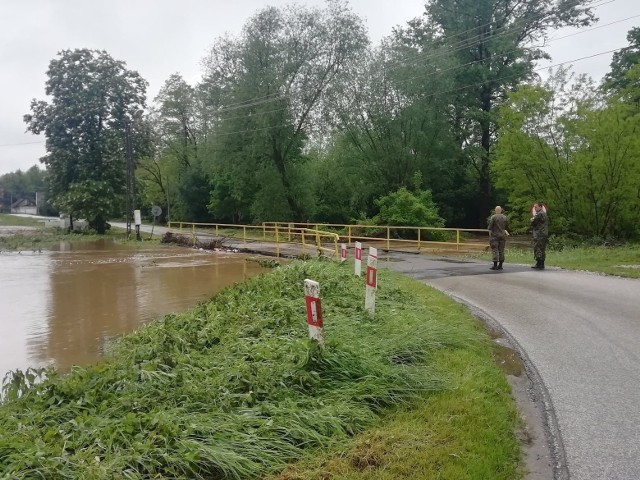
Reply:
x=495, y=266
x=537, y=265
x=499, y=265
x=541, y=267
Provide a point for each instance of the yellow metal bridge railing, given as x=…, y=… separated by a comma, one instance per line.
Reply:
x=273, y=238
x=403, y=238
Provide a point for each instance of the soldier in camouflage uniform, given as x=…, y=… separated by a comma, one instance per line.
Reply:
x=498, y=225
x=540, y=228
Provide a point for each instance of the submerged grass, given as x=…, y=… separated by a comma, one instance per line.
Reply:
x=235, y=390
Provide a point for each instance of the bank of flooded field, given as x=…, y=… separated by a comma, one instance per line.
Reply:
x=234, y=389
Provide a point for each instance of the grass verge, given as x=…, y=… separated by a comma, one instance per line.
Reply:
x=234, y=389
x=39, y=237
x=623, y=261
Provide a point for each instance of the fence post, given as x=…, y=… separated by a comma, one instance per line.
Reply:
x=388, y=237
x=372, y=281
x=457, y=240
x=193, y=233
x=277, y=242
x=419, y=230
x=314, y=310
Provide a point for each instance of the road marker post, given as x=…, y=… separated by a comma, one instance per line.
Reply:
x=372, y=281
x=343, y=252
x=358, y=259
x=314, y=310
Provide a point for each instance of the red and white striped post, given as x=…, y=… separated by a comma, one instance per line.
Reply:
x=343, y=252
x=358, y=259
x=314, y=310
x=372, y=281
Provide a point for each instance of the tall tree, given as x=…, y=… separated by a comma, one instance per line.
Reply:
x=624, y=60
x=575, y=152
x=396, y=130
x=94, y=101
x=492, y=44
x=273, y=83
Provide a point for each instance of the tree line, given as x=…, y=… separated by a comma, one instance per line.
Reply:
x=299, y=118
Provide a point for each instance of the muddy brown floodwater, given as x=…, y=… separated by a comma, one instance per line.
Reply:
x=61, y=307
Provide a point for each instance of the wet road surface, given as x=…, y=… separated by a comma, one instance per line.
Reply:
x=581, y=332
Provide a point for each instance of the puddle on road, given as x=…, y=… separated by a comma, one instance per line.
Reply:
x=508, y=360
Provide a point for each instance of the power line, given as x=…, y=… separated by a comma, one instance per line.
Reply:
x=457, y=67
x=464, y=87
x=534, y=70
x=460, y=46
x=19, y=144
x=424, y=57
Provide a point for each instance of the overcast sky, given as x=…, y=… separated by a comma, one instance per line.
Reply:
x=161, y=37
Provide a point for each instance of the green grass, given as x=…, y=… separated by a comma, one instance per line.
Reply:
x=12, y=220
x=462, y=432
x=43, y=236
x=620, y=260
x=234, y=389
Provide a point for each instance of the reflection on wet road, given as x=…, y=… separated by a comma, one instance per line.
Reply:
x=60, y=307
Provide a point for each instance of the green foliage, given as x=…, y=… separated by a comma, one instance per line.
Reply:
x=19, y=184
x=92, y=199
x=575, y=154
x=486, y=46
x=94, y=99
x=233, y=389
x=404, y=208
x=273, y=85
x=623, y=61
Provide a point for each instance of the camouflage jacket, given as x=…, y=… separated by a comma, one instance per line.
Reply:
x=498, y=223
x=540, y=224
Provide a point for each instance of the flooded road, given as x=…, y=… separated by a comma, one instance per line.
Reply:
x=62, y=306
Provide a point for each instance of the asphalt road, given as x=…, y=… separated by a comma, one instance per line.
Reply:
x=581, y=332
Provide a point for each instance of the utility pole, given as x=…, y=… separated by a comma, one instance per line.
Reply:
x=129, y=170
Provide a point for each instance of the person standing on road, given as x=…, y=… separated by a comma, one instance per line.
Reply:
x=498, y=224
x=540, y=229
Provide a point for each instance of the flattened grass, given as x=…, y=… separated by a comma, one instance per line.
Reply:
x=233, y=389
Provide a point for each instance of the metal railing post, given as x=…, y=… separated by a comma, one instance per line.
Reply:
x=244, y=235
x=388, y=237
x=277, y=242
x=419, y=230
x=304, y=242
x=457, y=240
x=193, y=233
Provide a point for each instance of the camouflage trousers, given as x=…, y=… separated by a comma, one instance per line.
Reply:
x=540, y=248
x=497, y=248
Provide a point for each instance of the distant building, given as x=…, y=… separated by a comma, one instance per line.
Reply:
x=24, y=205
